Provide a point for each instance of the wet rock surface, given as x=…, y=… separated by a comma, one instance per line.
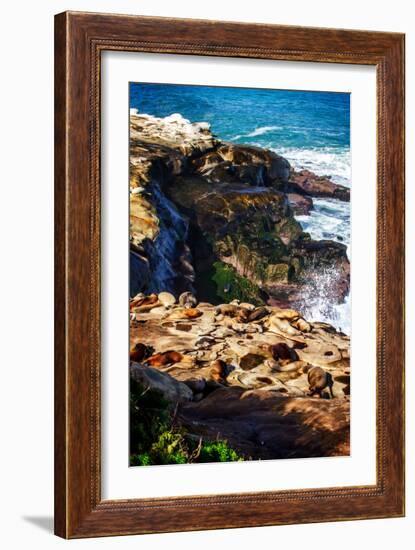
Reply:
x=247, y=381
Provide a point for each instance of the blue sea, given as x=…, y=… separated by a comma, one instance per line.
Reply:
x=310, y=129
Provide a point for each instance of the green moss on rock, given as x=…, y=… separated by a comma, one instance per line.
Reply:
x=231, y=286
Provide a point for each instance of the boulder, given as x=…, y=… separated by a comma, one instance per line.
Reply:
x=172, y=390
x=166, y=298
x=300, y=204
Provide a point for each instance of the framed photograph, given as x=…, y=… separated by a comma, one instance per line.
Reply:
x=229, y=277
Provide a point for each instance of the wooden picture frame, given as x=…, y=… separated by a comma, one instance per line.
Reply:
x=79, y=40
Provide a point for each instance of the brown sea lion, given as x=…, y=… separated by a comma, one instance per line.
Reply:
x=141, y=300
x=283, y=352
x=165, y=358
x=243, y=315
x=192, y=313
x=231, y=310
x=139, y=352
x=258, y=313
x=319, y=380
x=234, y=311
x=218, y=371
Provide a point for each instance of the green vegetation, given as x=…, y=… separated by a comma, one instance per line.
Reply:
x=155, y=439
x=231, y=286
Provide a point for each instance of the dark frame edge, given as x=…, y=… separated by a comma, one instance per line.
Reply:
x=60, y=296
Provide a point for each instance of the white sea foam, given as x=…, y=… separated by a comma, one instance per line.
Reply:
x=323, y=161
x=330, y=220
x=318, y=307
x=263, y=130
x=258, y=132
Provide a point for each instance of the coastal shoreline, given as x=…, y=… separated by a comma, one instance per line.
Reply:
x=222, y=275
x=219, y=204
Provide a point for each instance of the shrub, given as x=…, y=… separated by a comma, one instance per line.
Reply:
x=154, y=439
x=218, y=451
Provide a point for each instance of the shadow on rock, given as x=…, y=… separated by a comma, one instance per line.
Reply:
x=262, y=425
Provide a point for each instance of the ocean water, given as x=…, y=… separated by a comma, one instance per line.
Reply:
x=310, y=129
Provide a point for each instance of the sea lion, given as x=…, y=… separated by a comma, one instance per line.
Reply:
x=257, y=313
x=165, y=358
x=218, y=371
x=242, y=315
x=282, y=351
x=278, y=325
x=192, y=313
x=319, y=380
x=139, y=352
x=301, y=324
x=234, y=311
x=290, y=314
x=187, y=300
x=229, y=310
x=142, y=300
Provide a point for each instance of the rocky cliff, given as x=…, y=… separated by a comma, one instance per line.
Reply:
x=218, y=219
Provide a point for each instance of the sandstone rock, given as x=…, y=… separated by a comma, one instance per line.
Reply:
x=167, y=299
x=250, y=361
x=262, y=424
x=223, y=332
x=276, y=169
x=145, y=308
x=173, y=132
x=177, y=168
x=251, y=370
x=278, y=325
x=172, y=390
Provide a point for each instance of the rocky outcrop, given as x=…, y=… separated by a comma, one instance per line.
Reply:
x=307, y=183
x=263, y=425
x=260, y=400
x=242, y=164
x=218, y=218
x=172, y=390
x=300, y=204
x=160, y=149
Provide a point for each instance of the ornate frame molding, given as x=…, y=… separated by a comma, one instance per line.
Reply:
x=79, y=40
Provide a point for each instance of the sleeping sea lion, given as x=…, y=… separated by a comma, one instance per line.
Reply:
x=165, y=358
